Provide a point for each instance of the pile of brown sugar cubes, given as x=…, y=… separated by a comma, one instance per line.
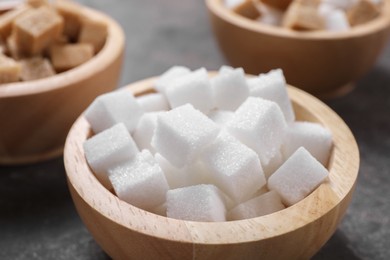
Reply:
x=39, y=39
x=308, y=15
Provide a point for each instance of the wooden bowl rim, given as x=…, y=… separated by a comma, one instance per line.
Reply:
x=343, y=168
x=114, y=44
x=378, y=24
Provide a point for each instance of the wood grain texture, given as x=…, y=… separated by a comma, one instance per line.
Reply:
x=320, y=62
x=127, y=232
x=37, y=115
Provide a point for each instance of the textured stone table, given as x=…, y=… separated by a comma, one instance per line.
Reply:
x=37, y=217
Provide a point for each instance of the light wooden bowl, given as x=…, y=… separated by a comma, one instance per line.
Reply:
x=298, y=232
x=320, y=62
x=37, y=115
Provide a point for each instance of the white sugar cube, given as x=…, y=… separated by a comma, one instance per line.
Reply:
x=221, y=117
x=189, y=175
x=153, y=102
x=259, y=124
x=196, y=203
x=336, y=20
x=182, y=133
x=144, y=131
x=341, y=4
x=297, y=177
x=234, y=167
x=176, y=177
x=193, y=88
x=230, y=89
x=140, y=181
x=169, y=76
x=264, y=204
x=269, y=15
x=272, y=86
x=274, y=163
x=113, y=108
x=107, y=149
x=225, y=69
x=233, y=3
x=314, y=137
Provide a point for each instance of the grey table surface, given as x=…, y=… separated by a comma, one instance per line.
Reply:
x=37, y=216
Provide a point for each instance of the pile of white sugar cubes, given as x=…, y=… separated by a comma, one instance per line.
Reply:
x=331, y=15
x=202, y=147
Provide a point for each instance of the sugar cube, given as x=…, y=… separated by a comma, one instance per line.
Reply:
x=35, y=68
x=169, y=76
x=313, y=136
x=264, y=204
x=7, y=19
x=225, y=69
x=93, y=32
x=193, y=88
x=246, y=8
x=336, y=20
x=36, y=29
x=302, y=16
x=221, y=117
x=364, y=11
x=259, y=124
x=201, y=202
x=140, y=181
x=176, y=177
x=230, y=89
x=71, y=12
x=232, y=3
x=109, y=148
x=144, y=131
x=234, y=167
x=188, y=175
x=112, y=108
x=274, y=163
x=269, y=15
x=153, y=102
x=68, y=56
x=341, y=4
x=272, y=86
x=9, y=70
x=182, y=133
x=299, y=175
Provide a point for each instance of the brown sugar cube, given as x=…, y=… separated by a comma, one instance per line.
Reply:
x=9, y=70
x=93, y=32
x=362, y=12
x=303, y=15
x=71, y=13
x=7, y=19
x=36, y=29
x=68, y=56
x=13, y=49
x=35, y=68
x=247, y=9
x=278, y=4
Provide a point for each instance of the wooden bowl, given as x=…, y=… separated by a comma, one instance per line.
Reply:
x=127, y=232
x=37, y=115
x=323, y=63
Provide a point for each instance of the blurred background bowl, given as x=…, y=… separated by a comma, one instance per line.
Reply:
x=36, y=115
x=298, y=232
x=323, y=63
